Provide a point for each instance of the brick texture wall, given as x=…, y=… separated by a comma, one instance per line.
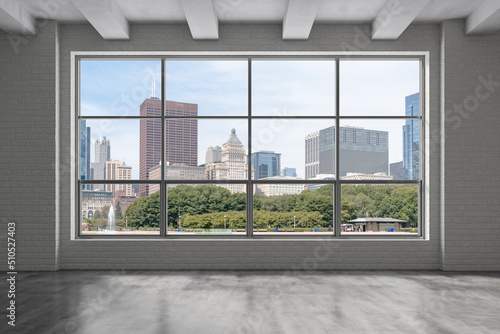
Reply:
x=30, y=176
x=28, y=146
x=472, y=149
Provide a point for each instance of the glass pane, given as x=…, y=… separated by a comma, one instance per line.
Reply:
x=214, y=209
x=379, y=87
x=293, y=209
x=379, y=149
x=118, y=87
x=213, y=87
x=119, y=209
x=202, y=149
x=379, y=209
x=299, y=145
x=293, y=87
x=110, y=149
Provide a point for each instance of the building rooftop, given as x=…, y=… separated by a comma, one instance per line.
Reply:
x=233, y=138
x=377, y=220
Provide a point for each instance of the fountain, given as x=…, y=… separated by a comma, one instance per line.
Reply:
x=111, y=228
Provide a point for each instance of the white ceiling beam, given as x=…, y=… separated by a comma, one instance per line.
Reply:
x=299, y=18
x=485, y=19
x=395, y=16
x=202, y=18
x=105, y=17
x=16, y=19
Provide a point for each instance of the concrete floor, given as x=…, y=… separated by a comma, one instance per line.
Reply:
x=256, y=302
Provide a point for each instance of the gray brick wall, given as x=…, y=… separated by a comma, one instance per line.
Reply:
x=27, y=149
x=29, y=173
x=472, y=153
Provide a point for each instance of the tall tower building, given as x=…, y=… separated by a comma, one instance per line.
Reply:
x=102, y=151
x=84, y=152
x=266, y=164
x=361, y=151
x=181, y=137
x=411, y=138
x=116, y=170
x=232, y=165
x=213, y=154
x=312, y=154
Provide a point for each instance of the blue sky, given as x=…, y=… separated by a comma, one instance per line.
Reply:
x=117, y=88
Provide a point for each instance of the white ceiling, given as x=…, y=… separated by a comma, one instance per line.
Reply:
x=15, y=15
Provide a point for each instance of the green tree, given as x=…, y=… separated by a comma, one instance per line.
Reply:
x=118, y=211
x=145, y=211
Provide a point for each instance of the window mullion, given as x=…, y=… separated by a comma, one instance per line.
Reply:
x=249, y=161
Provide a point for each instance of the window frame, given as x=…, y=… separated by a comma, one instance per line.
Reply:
x=337, y=57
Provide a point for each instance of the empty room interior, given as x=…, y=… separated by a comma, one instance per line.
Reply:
x=240, y=166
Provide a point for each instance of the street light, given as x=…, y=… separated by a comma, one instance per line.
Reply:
x=293, y=221
x=126, y=221
x=224, y=221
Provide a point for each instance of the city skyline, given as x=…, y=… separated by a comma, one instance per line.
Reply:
x=116, y=88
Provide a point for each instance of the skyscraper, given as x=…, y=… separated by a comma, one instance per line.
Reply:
x=266, y=164
x=411, y=138
x=84, y=152
x=213, y=154
x=116, y=170
x=361, y=151
x=312, y=154
x=232, y=165
x=181, y=137
x=102, y=151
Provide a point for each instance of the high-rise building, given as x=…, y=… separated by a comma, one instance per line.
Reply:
x=213, y=154
x=181, y=137
x=102, y=152
x=397, y=171
x=288, y=171
x=411, y=138
x=266, y=164
x=116, y=170
x=312, y=154
x=361, y=151
x=232, y=166
x=84, y=150
x=85, y=171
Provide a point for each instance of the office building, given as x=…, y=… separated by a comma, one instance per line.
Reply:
x=397, y=171
x=124, y=200
x=233, y=164
x=85, y=133
x=288, y=171
x=116, y=170
x=175, y=172
x=312, y=154
x=411, y=138
x=266, y=164
x=213, y=154
x=279, y=189
x=181, y=137
x=364, y=176
x=93, y=201
x=361, y=151
x=102, y=154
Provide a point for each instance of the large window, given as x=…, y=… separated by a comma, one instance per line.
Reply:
x=249, y=146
